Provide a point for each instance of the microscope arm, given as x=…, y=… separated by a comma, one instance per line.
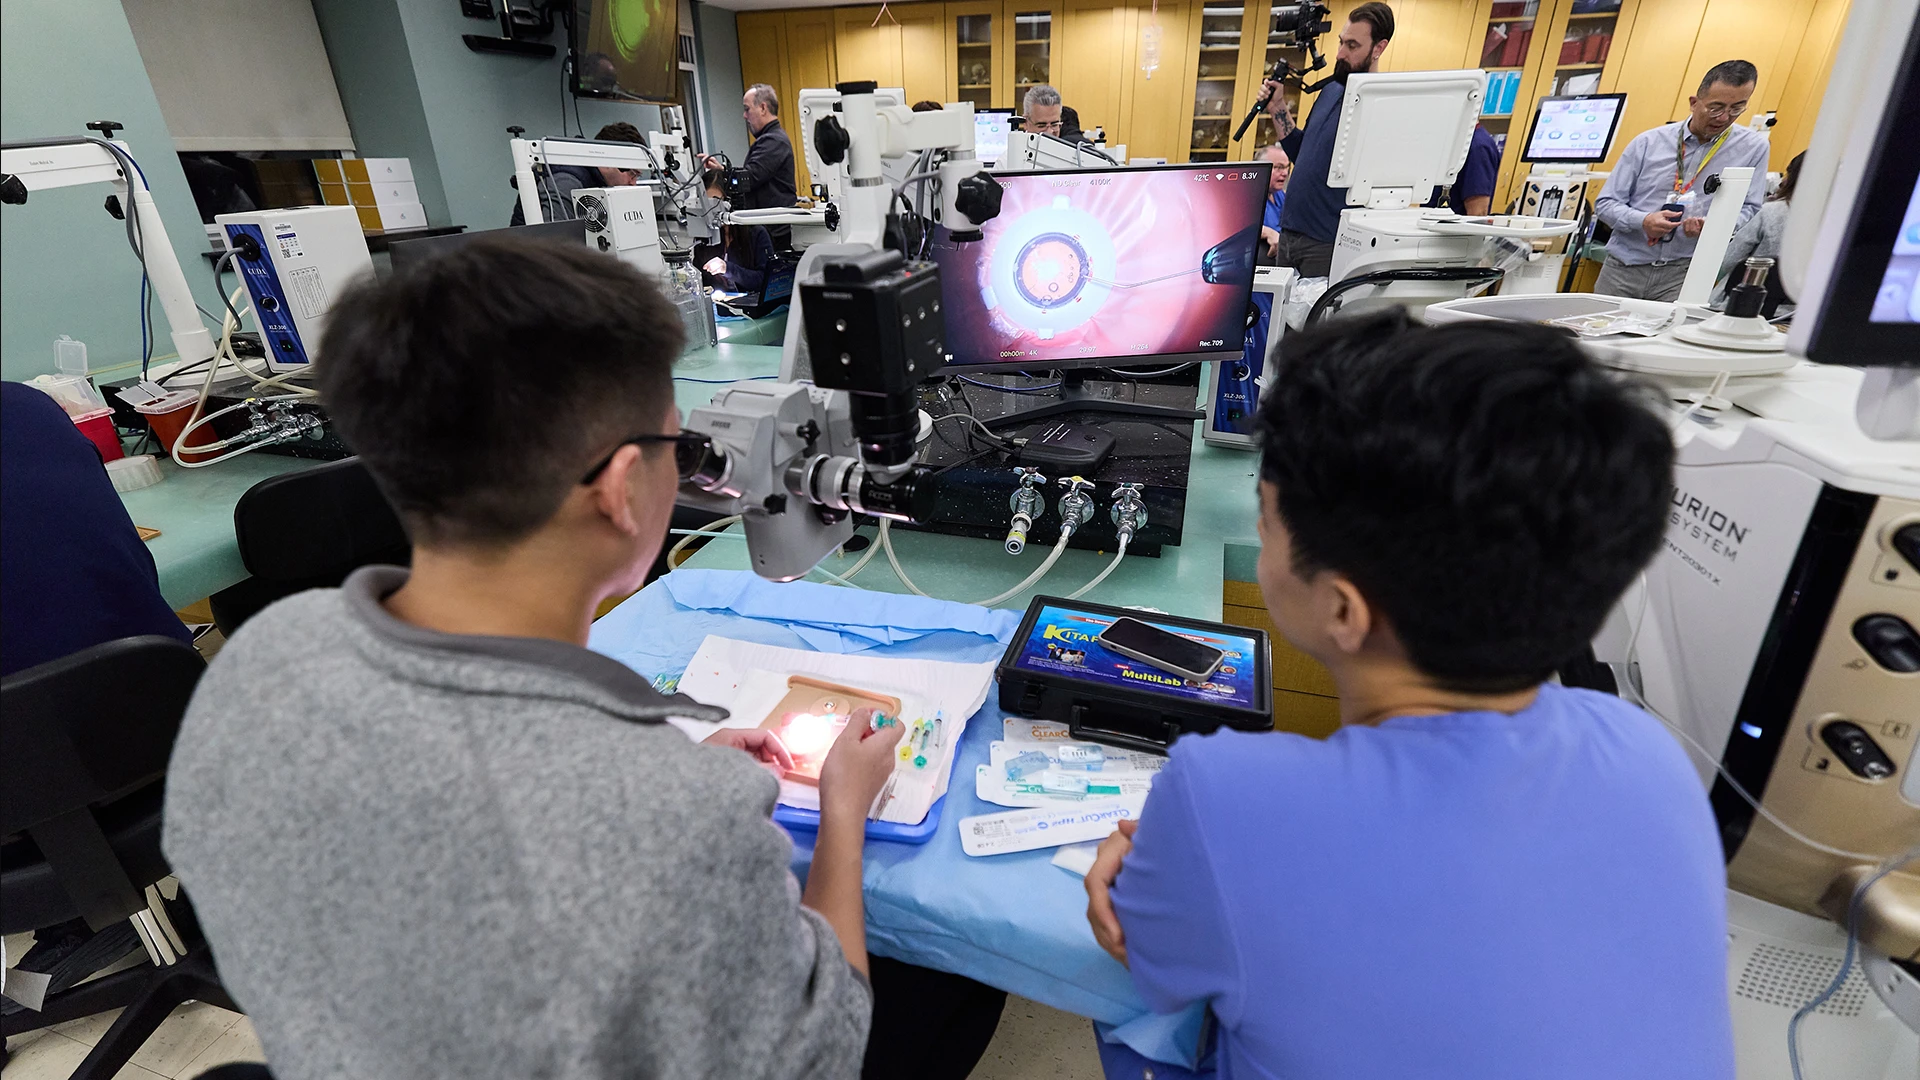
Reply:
x=44, y=164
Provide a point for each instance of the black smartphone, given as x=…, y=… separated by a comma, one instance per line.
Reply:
x=1184, y=657
x=1678, y=208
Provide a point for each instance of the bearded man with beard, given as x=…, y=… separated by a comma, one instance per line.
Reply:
x=1311, y=216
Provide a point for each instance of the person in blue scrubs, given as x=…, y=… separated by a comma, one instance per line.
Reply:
x=1276, y=200
x=74, y=573
x=1482, y=873
x=1471, y=193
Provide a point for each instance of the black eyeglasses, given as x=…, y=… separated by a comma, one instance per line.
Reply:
x=689, y=447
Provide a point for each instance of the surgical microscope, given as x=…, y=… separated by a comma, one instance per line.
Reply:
x=796, y=459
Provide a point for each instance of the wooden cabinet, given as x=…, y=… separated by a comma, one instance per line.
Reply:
x=1218, y=73
x=1156, y=111
x=1099, y=73
x=902, y=45
x=989, y=52
x=788, y=50
x=974, y=54
x=1029, y=48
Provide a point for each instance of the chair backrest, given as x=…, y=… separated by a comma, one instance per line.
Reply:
x=315, y=526
x=88, y=728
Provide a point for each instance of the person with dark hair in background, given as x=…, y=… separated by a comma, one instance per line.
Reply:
x=557, y=186
x=768, y=179
x=1652, y=245
x=927, y=105
x=1447, y=514
x=745, y=251
x=427, y=831
x=1312, y=216
x=1761, y=236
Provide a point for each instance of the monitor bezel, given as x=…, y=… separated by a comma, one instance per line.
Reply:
x=424, y=249
x=1842, y=334
x=1152, y=360
x=580, y=10
x=1613, y=130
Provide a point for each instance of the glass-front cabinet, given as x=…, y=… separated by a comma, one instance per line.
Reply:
x=973, y=58
x=1032, y=52
x=1585, y=45
x=1216, y=74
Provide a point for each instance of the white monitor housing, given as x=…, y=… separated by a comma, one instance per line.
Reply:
x=1402, y=133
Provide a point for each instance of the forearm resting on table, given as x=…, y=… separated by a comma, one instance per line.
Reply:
x=833, y=884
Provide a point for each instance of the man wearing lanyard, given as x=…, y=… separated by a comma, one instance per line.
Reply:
x=1656, y=200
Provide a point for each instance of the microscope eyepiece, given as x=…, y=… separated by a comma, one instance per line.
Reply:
x=701, y=463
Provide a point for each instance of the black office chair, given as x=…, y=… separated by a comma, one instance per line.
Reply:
x=81, y=782
x=308, y=530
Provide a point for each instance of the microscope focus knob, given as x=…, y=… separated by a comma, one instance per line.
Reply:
x=978, y=196
x=831, y=140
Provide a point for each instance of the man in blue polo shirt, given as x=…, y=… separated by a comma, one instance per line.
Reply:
x=1312, y=214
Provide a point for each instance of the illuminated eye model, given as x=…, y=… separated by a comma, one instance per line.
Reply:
x=1052, y=268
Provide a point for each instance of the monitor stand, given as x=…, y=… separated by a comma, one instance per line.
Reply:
x=1076, y=397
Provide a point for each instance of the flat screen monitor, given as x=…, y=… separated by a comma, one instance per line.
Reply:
x=1574, y=130
x=990, y=130
x=1898, y=298
x=405, y=254
x=1110, y=267
x=1869, y=315
x=626, y=50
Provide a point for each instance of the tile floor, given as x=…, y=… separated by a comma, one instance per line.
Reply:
x=195, y=1038
x=1033, y=1042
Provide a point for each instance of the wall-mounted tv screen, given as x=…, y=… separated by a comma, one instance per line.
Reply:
x=626, y=50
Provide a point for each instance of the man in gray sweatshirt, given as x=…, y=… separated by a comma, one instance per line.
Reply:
x=427, y=831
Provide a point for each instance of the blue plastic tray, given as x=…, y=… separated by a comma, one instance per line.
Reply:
x=795, y=819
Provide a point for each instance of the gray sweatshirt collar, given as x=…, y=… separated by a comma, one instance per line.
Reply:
x=616, y=687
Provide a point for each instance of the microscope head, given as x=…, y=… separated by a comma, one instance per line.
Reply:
x=875, y=330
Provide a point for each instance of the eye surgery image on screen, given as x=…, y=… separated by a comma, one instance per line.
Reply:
x=1114, y=266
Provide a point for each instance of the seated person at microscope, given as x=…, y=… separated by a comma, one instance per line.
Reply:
x=740, y=261
x=428, y=832
x=1482, y=873
x=557, y=183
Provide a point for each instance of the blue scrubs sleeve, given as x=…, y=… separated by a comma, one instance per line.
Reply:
x=1179, y=941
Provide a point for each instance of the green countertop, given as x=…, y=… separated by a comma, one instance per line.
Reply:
x=197, y=555
x=196, y=552
x=1221, y=522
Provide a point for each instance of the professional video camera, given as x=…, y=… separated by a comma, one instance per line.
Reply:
x=1298, y=25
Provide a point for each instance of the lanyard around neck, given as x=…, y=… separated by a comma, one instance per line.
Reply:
x=1680, y=159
